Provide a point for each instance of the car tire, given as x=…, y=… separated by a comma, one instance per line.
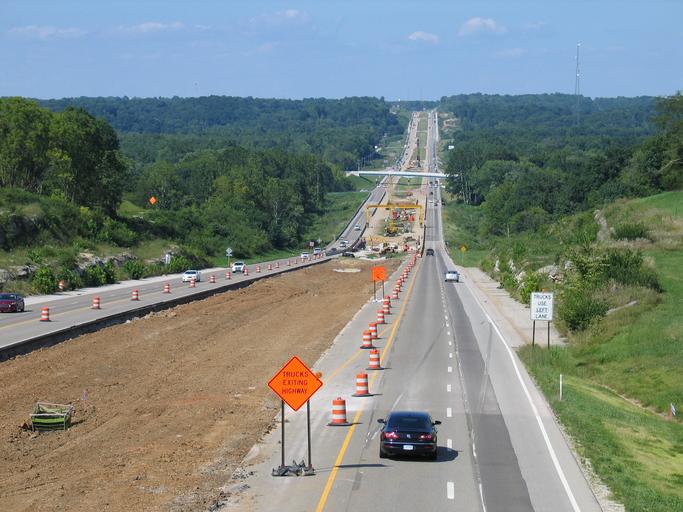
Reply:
x=433, y=456
x=382, y=454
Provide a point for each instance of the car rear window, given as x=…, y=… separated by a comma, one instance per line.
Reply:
x=409, y=423
x=6, y=296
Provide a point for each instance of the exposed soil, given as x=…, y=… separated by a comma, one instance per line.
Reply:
x=174, y=400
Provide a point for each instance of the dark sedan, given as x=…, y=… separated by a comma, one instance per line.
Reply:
x=430, y=252
x=11, y=303
x=408, y=433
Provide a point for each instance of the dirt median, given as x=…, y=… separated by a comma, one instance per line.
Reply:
x=175, y=400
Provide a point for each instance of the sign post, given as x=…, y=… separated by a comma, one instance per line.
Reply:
x=228, y=253
x=295, y=384
x=378, y=274
x=541, y=309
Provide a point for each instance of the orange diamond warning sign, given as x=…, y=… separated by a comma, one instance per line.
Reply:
x=295, y=383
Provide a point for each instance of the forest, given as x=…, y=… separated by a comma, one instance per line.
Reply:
x=530, y=159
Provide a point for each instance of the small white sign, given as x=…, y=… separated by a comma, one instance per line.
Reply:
x=542, y=306
x=228, y=251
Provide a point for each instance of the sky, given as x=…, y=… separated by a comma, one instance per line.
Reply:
x=397, y=49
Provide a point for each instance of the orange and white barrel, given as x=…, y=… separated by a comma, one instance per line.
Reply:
x=394, y=294
x=212, y=279
x=367, y=340
x=228, y=275
x=386, y=306
x=193, y=283
x=135, y=295
x=245, y=271
x=167, y=287
x=270, y=266
x=277, y=264
x=372, y=327
x=258, y=269
x=61, y=286
x=338, y=413
x=44, y=314
x=380, y=316
x=362, y=385
x=95, y=302
x=373, y=360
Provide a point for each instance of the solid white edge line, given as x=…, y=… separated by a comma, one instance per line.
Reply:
x=449, y=444
x=449, y=412
x=544, y=433
x=450, y=355
x=450, y=490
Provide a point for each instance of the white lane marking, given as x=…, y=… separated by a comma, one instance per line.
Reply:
x=450, y=343
x=449, y=412
x=449, y=444
x=450, y=490
x=448, y=333
x=544, y=433
x=450, y=355
x=450, y=369
x=446, y=317
x=447, y=324
x=448, y=388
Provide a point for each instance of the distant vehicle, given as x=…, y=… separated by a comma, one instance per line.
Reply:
x=238, y=266
x=408, y=433
x=11, y=303
x=348, y=254
x=305, y=255
x=317, y=250
x=431, y=193
x=452, y=275
x=430, y=252
x=343, y=242
x=189, y=275
x=356, y=227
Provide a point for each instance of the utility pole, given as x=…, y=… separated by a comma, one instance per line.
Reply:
x=577, y=86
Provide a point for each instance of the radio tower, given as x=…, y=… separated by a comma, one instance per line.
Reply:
x=577, y=85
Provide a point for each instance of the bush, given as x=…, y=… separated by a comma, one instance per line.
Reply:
x=71, y=279
x=626, y=267
x=134, y=268
x=44, y=281
x=578, y=306
x=178, y=264
x=631, y=231
x=99, y=275
x=531, y=283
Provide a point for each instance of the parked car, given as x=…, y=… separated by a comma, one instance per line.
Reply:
x=11, y=303
x=430, y=252
x=348, y=254
x=356, y=227
x=317, y=250
x=452, y=275
x=238, y=266
x=189, y=275
x=408, y=433
x=305, y=255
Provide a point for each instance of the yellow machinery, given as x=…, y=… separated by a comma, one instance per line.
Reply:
x=392, y=206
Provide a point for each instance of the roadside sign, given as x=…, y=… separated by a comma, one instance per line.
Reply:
x=295, y=383
x=379, y=274
x=319, y=240
x=311, y=243
x=152, y=200
x=463, y=248
x=228, y=252
x=542, y=306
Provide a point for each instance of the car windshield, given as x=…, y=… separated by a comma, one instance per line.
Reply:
x=409, y=423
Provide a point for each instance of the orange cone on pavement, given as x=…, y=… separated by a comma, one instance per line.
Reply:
x=380, y=316
x=372, y=327
x=95, y=302
x=61, y=286
x=212, y=279
x=386, y=306
x=338, y=413
x=228, y=276
x=394, y=295
x=277, y=264
x=258, y=269
x=45, y=314
x=167, y=287
x=362, y=385
x=270, y=266
x=373, y=360
x=193, y=283
x=367, y=340
x=245, y=271
x=135, y=295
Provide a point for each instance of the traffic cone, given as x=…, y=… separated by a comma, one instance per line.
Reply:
x=338, y=413
x=394, y=294
x=61, y=286
x=373, y=361
x=246, y=271
x=372, y=327
x=212, y=279
x=45, y=314
x=258, y=269
x=386, y=306
x=362, y=385
x=135, y=295
x=95, y=302
x=192, y=283
x=289, y=263
x=228, y=276
x=277, y=264
x=167, y=287
x=367, y=340
x=380, y=316
x=270, y=266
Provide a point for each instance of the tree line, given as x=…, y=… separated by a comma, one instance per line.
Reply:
x=530, y=159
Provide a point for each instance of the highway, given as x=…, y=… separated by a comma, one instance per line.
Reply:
x=499, y=446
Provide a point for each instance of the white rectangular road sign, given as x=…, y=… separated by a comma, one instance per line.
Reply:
x=542, y=306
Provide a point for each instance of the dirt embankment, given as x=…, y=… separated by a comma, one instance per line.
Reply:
x=175, y=400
